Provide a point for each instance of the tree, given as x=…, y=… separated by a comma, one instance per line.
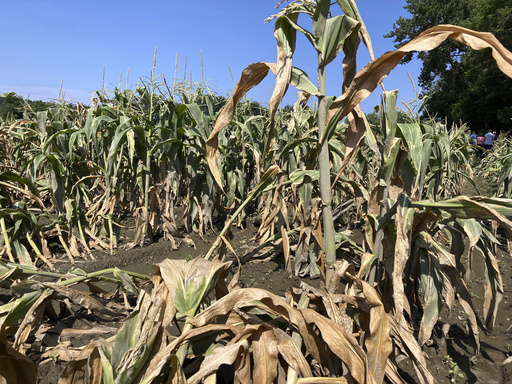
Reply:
x=11, y=107
x=463, y=85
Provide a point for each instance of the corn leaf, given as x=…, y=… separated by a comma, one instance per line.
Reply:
x=15, y=367
x=367, y=79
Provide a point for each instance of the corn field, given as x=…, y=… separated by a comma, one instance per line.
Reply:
x=181, y=159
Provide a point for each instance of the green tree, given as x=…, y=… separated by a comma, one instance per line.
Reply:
x=11, y=107
x=463, y=85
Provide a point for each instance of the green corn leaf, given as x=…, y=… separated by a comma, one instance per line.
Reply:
x=20, y=309
x=15, y=178
x=337, y=30
x=297, y=176
x=349, y=8
x=431, y=288
x=464, y=207
x=412, y=135
x=319, y=19
x=389, y=163
x=125, y=339
x=189, y=282
x=108, y=370
x=300, y=80
x=390, y=117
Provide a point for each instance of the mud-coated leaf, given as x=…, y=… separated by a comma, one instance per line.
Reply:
x=431, y=288
x=493, y=288
x=189, y=282
x=80, y=298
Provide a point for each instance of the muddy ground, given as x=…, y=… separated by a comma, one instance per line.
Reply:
x=491, y=366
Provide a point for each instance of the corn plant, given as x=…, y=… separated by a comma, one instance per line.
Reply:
x=416, y=161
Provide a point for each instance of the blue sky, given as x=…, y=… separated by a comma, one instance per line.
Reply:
x=46, y=42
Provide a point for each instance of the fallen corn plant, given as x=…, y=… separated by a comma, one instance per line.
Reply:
x=37, y=294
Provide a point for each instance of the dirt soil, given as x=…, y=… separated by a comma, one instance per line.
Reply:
x=492, y=366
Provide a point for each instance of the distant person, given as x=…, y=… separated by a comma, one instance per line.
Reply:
x=489, y=140
x=480, y=142
x=473, y=137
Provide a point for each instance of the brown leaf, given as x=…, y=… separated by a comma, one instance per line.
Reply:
x=251, y=76
x=80, y=298
x=31, y=319
x=343, y=344
x=268, y=301
x=221, y=355
x=15, y=367
x=322, y=380
x=291, y=353
x=378, y=343
x=264, y=352
x=367, y=79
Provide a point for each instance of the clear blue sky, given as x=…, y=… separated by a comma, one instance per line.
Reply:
x=45, y=42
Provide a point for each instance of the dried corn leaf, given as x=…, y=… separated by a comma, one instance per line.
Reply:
x=264, y=352
x=367, y=79
x=291, y=353
x=15, y=367
x=80, y=298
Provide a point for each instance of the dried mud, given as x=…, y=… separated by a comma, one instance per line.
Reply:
x=490, y=367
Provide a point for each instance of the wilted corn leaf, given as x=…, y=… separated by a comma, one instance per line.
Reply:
x=291, y=353
x=399, y=260
x=264, y=347
x=222, y=355
x=378, y=341
x=32, y=318
x=493, y=288
x=13, y=313
x=250, y=77
x=334, y=335
x=479, y=207
x=446, y=262
x=80, y=298
x=15, y=367
x=189, y=282
x=413, y=349
x=126, y=281
x=322, y=380
x=367, y=79
x=473, y=231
